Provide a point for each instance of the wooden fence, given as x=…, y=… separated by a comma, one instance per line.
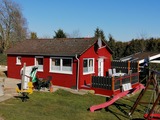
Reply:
x=125, y=66
x=118, y=81
x=114, y=83
x=102, y=82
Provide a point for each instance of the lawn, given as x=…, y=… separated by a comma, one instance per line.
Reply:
x=63, y=105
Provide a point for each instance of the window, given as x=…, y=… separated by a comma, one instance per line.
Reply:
x=39, y=63
x=18, y=60
x=61, y=65
x=55, y=64
x=88, y=66
x=67, y=65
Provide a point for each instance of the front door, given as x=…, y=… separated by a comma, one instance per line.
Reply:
x=100, y=67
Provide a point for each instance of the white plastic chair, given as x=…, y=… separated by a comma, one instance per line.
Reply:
x=110, y=72
x=114, y=71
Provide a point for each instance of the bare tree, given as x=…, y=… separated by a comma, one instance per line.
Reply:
x=13, y=25
x=75, y=34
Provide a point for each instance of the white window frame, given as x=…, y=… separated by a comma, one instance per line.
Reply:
x=88, y=72
x=18, y=60
x=39, y=67
x=61, y=65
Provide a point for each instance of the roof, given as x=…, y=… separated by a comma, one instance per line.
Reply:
x=54, y=47
x=141, y=56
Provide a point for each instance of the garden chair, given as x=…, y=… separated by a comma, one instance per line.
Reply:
x=43, y=83
x=110, y=72
x=114, y=71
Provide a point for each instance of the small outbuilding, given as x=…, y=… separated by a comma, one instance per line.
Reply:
x=70, y=61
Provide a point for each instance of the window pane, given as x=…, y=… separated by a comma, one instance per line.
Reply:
x=66, y=66
x=18, y=60
x=55, y=64
x=90, y=67
x=39, y=61
x=85, y=63
x=66, y=62
x=90, y=62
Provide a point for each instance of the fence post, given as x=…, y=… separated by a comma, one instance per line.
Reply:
x=129, y=65
x=130, y=75
x=112, y=83
x=23, y=76
x=121, y=82
x=138, y=69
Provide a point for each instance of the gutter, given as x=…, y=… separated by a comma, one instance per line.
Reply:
x=77, y=72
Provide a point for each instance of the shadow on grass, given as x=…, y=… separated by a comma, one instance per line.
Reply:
x=128, y=107
x=123, y=108
x=24, y=97
x=137, y=119
x=119, y=105
x=140, y=104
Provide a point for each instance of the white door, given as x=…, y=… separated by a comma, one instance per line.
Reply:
x=100, y=67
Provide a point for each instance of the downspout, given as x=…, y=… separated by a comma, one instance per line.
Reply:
x=77, y=73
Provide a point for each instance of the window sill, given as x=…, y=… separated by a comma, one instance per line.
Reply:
x=40, y=70
x=86, y=73
x=61, y=72
x=18, y=63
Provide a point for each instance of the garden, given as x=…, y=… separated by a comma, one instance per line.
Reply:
x=64, y=105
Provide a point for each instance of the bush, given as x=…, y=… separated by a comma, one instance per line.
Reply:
x=3, y=59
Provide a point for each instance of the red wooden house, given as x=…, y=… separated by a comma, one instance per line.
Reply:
x=70, y=61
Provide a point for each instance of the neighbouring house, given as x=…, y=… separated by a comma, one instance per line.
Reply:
x=141, y=57
x=70, y=61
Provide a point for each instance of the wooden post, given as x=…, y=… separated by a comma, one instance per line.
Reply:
x=141, y=95
x=23, y=76
x=154, y=105
x=121, y=82
x=130, y=77
x=51, y=87
x=129, y=66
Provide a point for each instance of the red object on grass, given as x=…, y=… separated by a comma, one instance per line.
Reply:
x=115, y=98
x=155, y=116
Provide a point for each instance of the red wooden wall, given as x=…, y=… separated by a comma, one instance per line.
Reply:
x=91, y=53
x=66, y=80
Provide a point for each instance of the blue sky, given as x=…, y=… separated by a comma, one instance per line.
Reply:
x=123, y=19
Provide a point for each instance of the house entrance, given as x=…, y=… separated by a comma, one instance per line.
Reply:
x=100, y=67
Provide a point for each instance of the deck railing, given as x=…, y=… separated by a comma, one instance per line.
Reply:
x=118, y=81
x=114, y=83
x=125, y=66
x=102, y=82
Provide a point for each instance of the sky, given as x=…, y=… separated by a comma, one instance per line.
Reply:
x=123, y=19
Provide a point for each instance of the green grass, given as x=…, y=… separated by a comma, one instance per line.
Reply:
x=63, y=105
